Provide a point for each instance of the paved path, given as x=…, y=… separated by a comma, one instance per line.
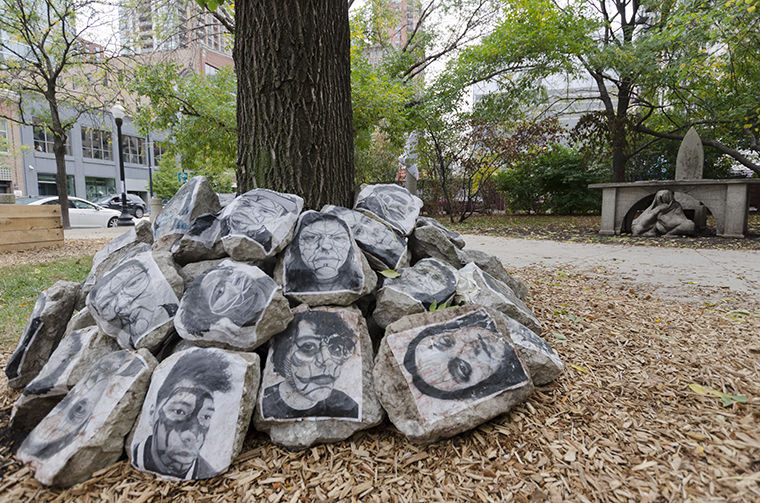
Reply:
x=671, y=272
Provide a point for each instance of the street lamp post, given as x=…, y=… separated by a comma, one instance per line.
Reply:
x=125, y=219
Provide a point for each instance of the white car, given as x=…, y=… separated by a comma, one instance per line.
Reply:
x=81, y=213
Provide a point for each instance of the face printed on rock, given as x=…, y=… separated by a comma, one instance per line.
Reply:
x=324, y=247
x=251, y=213
x=393, y=204
x=227, y=291
x=118, y=300
x=314, y=362
x=182, y=421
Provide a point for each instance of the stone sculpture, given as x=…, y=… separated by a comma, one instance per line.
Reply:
x=664, y=217
x=390, y=204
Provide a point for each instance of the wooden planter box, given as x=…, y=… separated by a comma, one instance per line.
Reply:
x=23, y=227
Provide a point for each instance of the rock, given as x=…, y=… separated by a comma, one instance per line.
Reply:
x=76, y=353
x=85, y=431
x=105, y=263
x=194, y=198
x=664, y=217
x=475, y=286
x=495, y=268
x=195, y=269
x=439, y=374
x=454, y=237
x=202, y=241
x=391, y=204
x=317, y=384
x=429, y=241
x=259, y=224
x=196, y=414
x=79, y=320
x=323, y=264
x=543, y=363
x=232, y=305
x=382, y=246
x=136, y=302
x=691, y=157
x=43, y=332
x=429, y=281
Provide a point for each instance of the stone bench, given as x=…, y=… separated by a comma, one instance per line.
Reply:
x=727, y=200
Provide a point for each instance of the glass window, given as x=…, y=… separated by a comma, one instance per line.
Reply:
x=3, y=135
x=98, y=188
x=47, y=187
x=43, y=140
x=158, y=151
x=134, y=150
x=82, y=205
x=96, y=144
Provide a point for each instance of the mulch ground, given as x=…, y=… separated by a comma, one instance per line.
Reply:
x=620, y=424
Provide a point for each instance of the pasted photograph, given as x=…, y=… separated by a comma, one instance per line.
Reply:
x=55, y=373
x=262, y=215
x=454, y=365
x=205, y=229
x=33, y=326
x=175, y=215
x=132, y=299
x=322, y=257
x=428, y=281
x=373, y=237
x=392, y=204
x=313, y=370
x=84, y=409
x=223, y=301
x=187, y=424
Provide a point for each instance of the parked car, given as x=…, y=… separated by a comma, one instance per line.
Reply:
x=135, y=205
x=81, y=213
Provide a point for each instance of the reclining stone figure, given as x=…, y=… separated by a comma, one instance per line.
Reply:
x=664, y=217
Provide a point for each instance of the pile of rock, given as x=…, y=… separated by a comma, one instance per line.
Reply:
x=162, y=358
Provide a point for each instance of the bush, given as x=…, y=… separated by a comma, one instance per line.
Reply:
x=554, y=181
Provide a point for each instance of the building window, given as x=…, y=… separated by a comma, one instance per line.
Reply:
x=4, y=147
x=96, y=144
x=134, y=150
x=43, y=140
x=159, y=149
x=47, y=187
x=98, y=188
x=210, y=71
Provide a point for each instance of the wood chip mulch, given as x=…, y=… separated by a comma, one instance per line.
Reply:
x=69, y=248
x=620, y=424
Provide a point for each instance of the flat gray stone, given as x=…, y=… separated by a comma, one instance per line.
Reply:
x=136, y=302
x=42, y=334
x=453, y=236
x=258, y=224
x=194, y=269
x=233, y=305
x=323, y=265
x=429, y=281
x=429, y=241
x=317, y=385
x=542, y=360
x=193, y=199
x=391, y=204
x=441, y=373
x=475, y=286
x=196, y=414
x=493, y=266
x=85, y=432
x=76, y=353
x=691, y=157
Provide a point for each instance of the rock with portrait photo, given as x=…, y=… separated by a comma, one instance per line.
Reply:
x=453, y=236
x=493, y=266
x=42, y=333
x=429, y=281
x=259, y=224
x=85, y=431
x=475, y=286
x=76, y=353
x=441, y=373
x=233, y=305
x=542, y=360
x=317, y=384
x=383, y=247
x=193, y=199
x=196, y=414
x=323, y=265
x=202, y=241
x=135, y=302
x=391, y=204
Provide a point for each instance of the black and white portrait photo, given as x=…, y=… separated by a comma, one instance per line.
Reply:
x=176, y=214
x=322, y=257
x=313, y=370
x=187, y=424
x=374, y=238
x=224, y=303
x=451, y=366
x=264, y=216
x=33, y=327
x=428, y=281
x=132, y=299
x=392, y=204
x=82, y=411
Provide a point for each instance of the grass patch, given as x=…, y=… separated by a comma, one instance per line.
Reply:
x=20, y=285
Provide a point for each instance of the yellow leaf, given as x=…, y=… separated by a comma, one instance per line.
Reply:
x=579, y=368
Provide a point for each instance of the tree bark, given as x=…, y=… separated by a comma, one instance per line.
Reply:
x=59, y=150
x=294, y=99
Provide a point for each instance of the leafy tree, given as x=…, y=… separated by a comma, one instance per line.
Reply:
x=165, y=181
x=49, y=71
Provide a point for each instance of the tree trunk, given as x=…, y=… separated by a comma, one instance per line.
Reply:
x=618, y=146
x=59, y=150
x=294, y=99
